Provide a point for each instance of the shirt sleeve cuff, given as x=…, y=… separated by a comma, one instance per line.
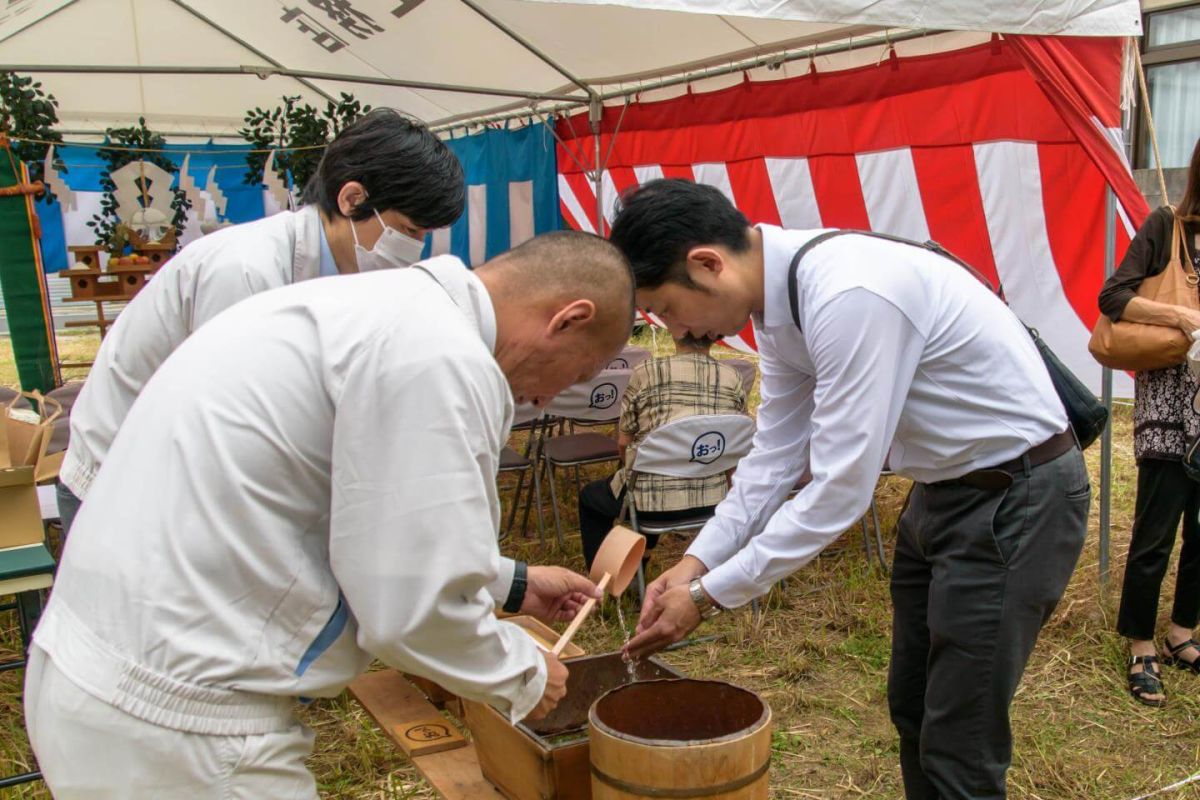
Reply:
x=729, y=585
x=713, y=545
x=529, y=695
x=500, y=587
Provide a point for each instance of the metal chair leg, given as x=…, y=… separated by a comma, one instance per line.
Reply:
x=516, y=503
x=866, y=539
x=554, y=506
x=878, y=538
x=538, y=466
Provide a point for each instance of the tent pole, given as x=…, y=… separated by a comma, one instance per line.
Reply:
x=1110, y=255
x=508, y=111
x=265, y=71
x=595, y=111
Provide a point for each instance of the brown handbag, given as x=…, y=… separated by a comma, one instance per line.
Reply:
x=1136, y=346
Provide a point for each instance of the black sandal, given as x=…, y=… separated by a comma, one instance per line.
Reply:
x=1148, y=681
x=1172, y=656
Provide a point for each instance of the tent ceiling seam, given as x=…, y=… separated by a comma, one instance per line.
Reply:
x=532, y=48
x=39, y=20
x=240, y=41
x=738, y=30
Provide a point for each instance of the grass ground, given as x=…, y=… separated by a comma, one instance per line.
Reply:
x=819, y=655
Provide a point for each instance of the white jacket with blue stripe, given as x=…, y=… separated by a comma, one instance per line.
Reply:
x=306, y=483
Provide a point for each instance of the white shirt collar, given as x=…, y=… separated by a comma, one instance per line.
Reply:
x=467, y=291
x=487, y=312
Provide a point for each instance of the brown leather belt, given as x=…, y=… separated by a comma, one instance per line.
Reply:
x=1001, y=475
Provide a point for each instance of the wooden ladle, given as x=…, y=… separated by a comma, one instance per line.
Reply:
x=613, y=569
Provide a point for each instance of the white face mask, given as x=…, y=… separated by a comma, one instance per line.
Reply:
x=393, y=249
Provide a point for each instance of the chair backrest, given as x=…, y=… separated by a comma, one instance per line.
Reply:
x=526, y=412
x=695, y=447
x=7, y=395
x=66, y=395
x=596, y=400
x=629, y=358
x=745, y=369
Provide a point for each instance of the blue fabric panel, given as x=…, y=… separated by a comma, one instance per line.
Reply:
x=328, y=635
x=54, y=244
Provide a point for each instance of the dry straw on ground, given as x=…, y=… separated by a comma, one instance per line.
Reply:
x=819, y=655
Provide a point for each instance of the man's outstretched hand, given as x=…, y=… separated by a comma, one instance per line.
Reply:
x=555, y=594
x=668, y=614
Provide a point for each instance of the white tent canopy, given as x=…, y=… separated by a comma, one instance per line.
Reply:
x=196, y=66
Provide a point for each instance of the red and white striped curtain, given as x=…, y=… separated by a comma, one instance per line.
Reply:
x=1000, y=152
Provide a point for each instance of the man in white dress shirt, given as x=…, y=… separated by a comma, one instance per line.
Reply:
x=870, y=346
x=307, y=483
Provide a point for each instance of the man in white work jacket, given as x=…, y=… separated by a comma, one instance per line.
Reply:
x=870, y=346
x=308, y=482
x=380, y=186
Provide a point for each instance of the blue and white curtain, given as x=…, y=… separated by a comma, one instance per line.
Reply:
x=512, y=193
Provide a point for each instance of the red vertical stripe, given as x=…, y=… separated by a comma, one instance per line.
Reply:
x=585, y=193
x=752, y=192
x=1072, y=196
x=679, y=171
x=623, y=179
x=949, y=186
x=839, y=192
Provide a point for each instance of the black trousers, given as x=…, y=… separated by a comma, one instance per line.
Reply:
x=1164, y=494
x=599, y=509
x=977, y=574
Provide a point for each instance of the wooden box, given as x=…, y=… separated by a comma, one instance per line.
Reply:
x=542, y=633
x=549, y=759
x=83, y=282
x=131, y=278
x=87, y=256
x=158, y=254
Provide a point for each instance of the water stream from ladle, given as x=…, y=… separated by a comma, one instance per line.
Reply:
x=629, y=665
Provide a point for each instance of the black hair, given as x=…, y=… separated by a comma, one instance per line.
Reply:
x=402, y=165
x=659, y=222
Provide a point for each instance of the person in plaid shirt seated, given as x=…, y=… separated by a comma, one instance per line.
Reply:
x=661, y=390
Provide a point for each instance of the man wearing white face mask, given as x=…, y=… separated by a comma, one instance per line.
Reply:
x=382, y=184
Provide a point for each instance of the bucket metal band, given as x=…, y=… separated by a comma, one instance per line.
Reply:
x=681, y=794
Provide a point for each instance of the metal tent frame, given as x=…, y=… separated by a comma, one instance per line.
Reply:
x=579, y=93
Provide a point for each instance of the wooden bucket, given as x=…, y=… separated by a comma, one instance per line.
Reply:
x=680, y=739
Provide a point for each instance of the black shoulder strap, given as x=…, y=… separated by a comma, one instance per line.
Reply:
x=932, y=246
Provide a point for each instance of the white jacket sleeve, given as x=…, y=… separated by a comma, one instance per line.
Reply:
x=413, y=520
x=866, y=353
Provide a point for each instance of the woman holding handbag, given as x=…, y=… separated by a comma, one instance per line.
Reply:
x=1164, y=424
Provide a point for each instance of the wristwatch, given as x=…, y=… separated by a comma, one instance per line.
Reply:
x=516, y=592
x=707, y=608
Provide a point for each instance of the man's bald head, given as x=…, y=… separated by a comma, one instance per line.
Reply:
x=564, y=306
x=568, y=265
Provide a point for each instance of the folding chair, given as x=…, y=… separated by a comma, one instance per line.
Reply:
x=629, y=358
x=594, y=402
x=66, y=395
x=746, y=370
x=536, y=422
x=692, y=447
